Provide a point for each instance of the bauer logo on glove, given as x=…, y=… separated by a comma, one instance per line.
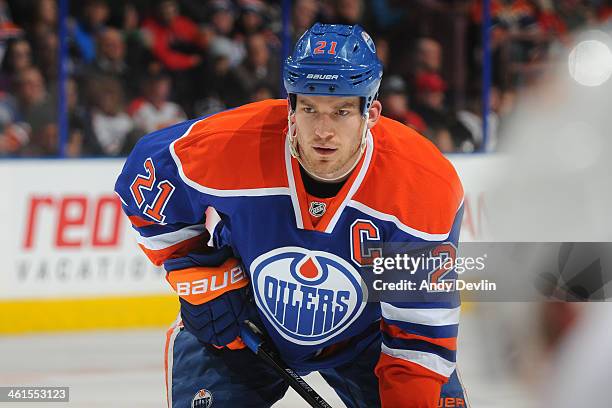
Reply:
x=199, y=285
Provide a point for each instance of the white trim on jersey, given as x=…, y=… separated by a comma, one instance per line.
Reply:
x=392, y=218
x=356, y=184
x=175, y=331
x=430, y=317
x=163, y=241
x=248, y=192
x=121, y=199
x=292, y=190
x=430, y=361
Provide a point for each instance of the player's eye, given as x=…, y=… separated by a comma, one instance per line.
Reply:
x=308, y=109
x=343, y=112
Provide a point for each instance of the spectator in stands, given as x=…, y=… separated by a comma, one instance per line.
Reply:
x=137, y=55
x=429, y=104
x=429, y=99
x=18, y=57
x=259, y=66
x=223, y=82
x=8, y=29
x=222, y=17
x=113, y=131
x=305, y=13
x=251, y=20
x=153, y=110
x=231, y=59
x=14, y=135
x=509, y=17
x=37, y=110
x=428, y=56
x=427, y=60
x=514, y=37
x=175, y=39
x=110, y=52
x=44, y=19
x=178, y=43
x=46, y=53
x=222, y=21
x=84, y=31
x=550, y=22
x=254, y=19
x=394, y=99
x=575, y=14
x=35, y=107
x=467, y=130
x=77, y=120
x=111, y=61
x=349, y=11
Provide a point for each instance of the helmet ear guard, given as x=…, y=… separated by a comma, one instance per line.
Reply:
x=292, y=102
x=366, y=102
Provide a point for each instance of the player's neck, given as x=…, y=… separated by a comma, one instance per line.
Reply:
x=319, y=188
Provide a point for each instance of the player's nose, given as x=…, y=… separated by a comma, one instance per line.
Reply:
x=324, y=128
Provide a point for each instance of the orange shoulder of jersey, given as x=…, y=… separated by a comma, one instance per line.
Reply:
x=238, y=149
x=410, y=180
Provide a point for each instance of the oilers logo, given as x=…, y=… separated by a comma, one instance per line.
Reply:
x=308, y=296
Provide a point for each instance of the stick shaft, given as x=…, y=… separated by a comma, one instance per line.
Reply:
x=256, y=344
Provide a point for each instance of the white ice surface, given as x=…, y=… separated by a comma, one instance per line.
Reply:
x=125, y=369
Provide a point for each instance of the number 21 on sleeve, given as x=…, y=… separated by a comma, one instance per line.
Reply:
x=142, y=183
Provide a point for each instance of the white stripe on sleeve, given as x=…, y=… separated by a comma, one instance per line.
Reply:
x=430, y=361
x=168, y=239
x=430, y=317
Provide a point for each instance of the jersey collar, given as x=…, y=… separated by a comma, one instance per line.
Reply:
x=299, y=197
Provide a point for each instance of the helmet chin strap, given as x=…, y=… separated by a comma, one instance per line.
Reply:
x=294, y=150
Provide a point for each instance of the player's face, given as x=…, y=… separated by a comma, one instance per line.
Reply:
x=329, y=130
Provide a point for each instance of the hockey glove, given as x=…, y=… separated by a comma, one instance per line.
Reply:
x=213, y=292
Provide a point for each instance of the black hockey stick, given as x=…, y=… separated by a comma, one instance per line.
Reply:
x=252, y=337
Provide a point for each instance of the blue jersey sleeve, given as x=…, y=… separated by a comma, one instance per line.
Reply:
x=419, y=338
x=167, y=215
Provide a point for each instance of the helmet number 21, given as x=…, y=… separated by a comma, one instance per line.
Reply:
x=321, y=45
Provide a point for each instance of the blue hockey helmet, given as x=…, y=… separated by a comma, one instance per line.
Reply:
x=334, y=59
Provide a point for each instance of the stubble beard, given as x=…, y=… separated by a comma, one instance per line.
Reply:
x=331, y=171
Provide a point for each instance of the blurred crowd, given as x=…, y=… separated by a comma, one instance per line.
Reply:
x=135, y=66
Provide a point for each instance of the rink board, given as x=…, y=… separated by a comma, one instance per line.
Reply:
x=70, y=257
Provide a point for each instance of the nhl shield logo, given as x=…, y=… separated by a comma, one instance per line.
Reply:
x=317, y=209
x=308, y=296
x=202, y=399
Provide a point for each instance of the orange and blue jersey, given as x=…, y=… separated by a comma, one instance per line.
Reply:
x=306, y=274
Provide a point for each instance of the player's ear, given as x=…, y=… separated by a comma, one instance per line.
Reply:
x=374, y=113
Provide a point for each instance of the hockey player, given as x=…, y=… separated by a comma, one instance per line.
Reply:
x=304, y=187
